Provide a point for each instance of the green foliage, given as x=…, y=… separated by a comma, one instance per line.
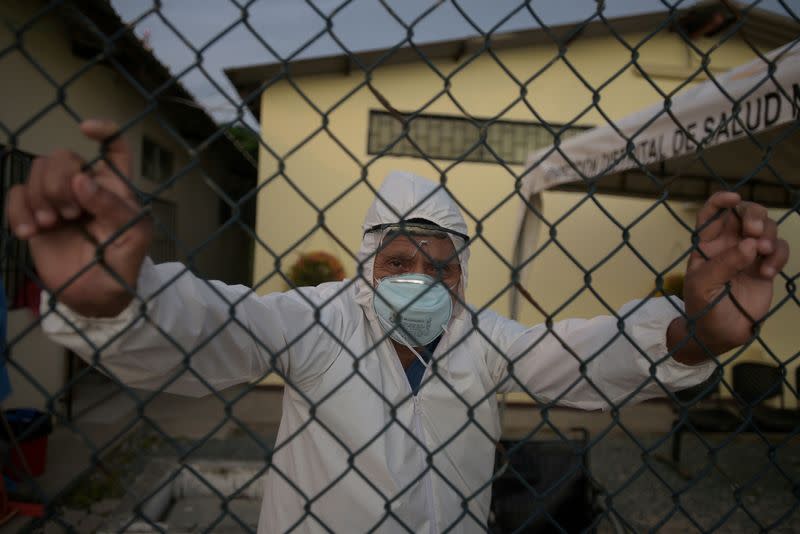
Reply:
x=246, y=138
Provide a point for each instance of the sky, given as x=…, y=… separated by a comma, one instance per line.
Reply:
x=295, y=29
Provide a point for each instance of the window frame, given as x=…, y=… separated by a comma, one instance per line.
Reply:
x=16, y=264
x=459, y=138
x=162, y=156
x=164, y=213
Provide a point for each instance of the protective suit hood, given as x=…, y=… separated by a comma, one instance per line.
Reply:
x=404, y=196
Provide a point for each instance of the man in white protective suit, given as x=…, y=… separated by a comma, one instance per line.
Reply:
x=391, y=418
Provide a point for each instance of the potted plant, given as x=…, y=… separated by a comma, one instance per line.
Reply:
x=314, y=268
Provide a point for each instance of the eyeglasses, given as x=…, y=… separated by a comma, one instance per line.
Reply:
x=400, y=246
x=418, y=226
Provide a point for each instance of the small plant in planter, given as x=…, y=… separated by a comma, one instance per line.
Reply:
x=314, y=268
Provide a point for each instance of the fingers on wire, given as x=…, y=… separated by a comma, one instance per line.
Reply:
x=48, y=193
x=108, y=132
x=57, y=192
x=711, y=218
x=772, y=264
x=21, y=219
x=762, y=256
x=720, y=269
x=113, y=171
x=752, y=218
x=59, y=188
x=105, y=205
x=756, y=224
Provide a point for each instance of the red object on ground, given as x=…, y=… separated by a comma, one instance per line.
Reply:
x=30, y=509
x=6, y=511
x=27, y=442
x=35, y=453
x=28, y=296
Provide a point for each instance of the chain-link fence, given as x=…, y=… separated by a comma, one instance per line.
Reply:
x=579, y=144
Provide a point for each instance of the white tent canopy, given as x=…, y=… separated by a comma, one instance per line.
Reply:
x=698, y=144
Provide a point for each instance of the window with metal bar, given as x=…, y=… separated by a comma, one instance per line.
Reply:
x=15, y=260
x=164, y=215
x=157, y=161
x=458, y=138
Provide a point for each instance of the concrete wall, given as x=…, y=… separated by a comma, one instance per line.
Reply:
x=97, y=92
x=315, y=163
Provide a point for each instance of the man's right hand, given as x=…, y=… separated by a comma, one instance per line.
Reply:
x=65, y=211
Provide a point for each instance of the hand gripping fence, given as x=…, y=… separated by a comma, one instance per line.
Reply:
x=722, y=455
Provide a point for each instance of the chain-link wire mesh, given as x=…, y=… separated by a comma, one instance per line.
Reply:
x=371, y=437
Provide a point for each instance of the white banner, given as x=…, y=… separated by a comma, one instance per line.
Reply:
x=703, y=114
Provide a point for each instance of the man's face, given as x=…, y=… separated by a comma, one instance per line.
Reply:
x=431, y=255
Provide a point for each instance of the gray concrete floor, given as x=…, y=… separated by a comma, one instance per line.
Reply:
x=644, y=492
x=108, y=425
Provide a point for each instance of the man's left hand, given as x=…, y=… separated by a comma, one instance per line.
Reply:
x=729, y=279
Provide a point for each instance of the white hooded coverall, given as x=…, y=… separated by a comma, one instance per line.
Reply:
x=354, y=445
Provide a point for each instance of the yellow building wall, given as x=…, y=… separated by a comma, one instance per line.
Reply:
x=321, y=160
